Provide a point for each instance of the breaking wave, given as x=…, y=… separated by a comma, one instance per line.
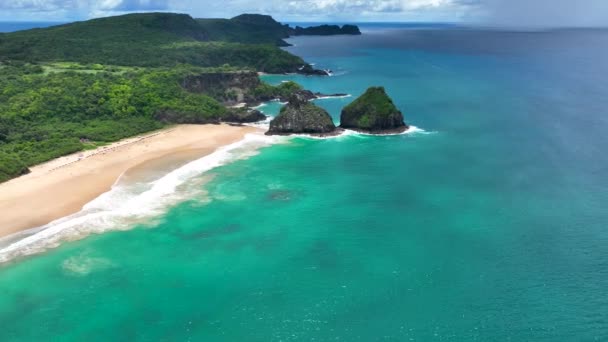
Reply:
x=126, y=205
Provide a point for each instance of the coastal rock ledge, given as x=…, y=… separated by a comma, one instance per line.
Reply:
x=302, y=117
x=373, y=112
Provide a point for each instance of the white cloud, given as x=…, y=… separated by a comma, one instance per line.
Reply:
x=545, y=13
x=351, y=10
x=490, y=12
x=348, y=10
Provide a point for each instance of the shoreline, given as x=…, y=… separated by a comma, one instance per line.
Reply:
x=62, y=186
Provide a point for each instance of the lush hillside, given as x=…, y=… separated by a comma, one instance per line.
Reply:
x=46, y=116
x=248, y=29
x=166, y=39
x=263, y=29
x=76, y=86
x=373, y=112
x=150, y=40
x=52, y=110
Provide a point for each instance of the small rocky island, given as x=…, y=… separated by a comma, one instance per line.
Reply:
x=373, y=112
x=300, y=116
x=326, y=30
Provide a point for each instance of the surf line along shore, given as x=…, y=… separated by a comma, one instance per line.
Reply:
x=62, y=186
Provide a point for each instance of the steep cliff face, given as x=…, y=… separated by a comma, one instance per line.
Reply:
x=226, y=87
x=373, y=112
x=301, y=116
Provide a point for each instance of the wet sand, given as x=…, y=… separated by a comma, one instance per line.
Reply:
x=63, y=186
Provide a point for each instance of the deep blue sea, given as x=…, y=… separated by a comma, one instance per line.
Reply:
x=489, y=223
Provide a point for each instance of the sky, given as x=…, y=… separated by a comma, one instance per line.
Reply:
x=515, y=13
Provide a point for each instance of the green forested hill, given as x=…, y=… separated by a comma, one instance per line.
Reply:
x=150, y=40
x=246, y=28
x=50, y=110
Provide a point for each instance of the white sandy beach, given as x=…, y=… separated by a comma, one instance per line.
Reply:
x=63, y=186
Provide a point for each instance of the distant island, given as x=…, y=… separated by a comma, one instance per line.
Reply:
x=263, y=29
x=326, y=30
x=82, y=85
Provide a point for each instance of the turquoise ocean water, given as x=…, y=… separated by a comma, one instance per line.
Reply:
x=488, y=225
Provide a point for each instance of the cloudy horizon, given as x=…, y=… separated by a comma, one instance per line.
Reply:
x=515, y=13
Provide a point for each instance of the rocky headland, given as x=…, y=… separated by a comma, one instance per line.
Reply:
x=234, y=87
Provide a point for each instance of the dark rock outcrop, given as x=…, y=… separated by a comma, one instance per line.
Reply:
x=309, y=95
x=302, y=116
x=351, y=29
x=373, y=112
x=243, y=115
x=325, y=30
x=226, y=87
x=232, y=115
x=308, y=70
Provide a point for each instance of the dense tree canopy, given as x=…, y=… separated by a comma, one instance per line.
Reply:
x=76, y=86
x=44, y=116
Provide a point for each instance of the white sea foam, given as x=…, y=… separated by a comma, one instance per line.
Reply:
x=410, y=130
x=339, y=73
x=348, y=132
x=264, y=124
x=258, y=106
x=333, y=97
x=127, y=204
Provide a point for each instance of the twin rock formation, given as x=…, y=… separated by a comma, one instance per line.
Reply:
x=373, y=112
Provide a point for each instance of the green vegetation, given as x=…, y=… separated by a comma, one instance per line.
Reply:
x=284, y=90
x=374, y=100
x=374, y=111
x=50, y=110
x=10, y=167
x=144, y=40
x=44, y=116
x=246, y=28
x=81, y=85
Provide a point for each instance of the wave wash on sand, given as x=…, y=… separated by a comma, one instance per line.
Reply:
x=138, y=202
x=125, y=205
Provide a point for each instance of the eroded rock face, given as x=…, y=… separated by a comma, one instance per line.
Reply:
x=226, y=87
x=243, y=115
x=373, y=112
x=302, y=116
